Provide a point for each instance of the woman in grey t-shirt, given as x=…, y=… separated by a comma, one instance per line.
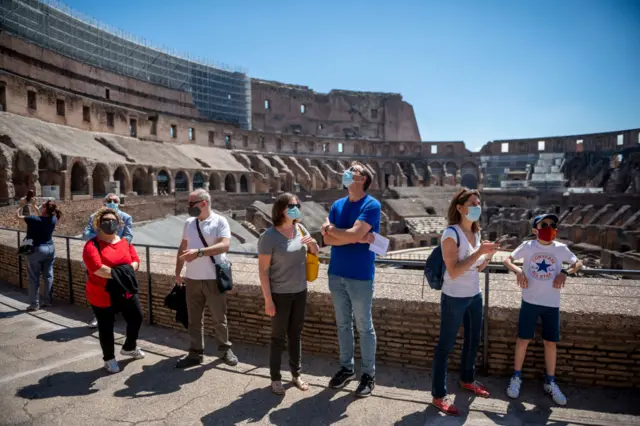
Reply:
x=282, y=260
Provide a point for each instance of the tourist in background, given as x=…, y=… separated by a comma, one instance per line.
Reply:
x=200, y=277
x=541, y=279
x=125, y=229
x=40, y=261
x=111, y=263
x=282, y=260
x=351, y=273
x=465, y=256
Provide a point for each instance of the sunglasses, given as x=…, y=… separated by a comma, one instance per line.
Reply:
x=113, y=201
x=193, y=203
x=547, y=225
x=108, y=220
x=290, y=206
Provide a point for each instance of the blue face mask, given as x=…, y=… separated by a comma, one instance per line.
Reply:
x=474, y=213
x=111, y=205
x=347, y=178
x=294, y=213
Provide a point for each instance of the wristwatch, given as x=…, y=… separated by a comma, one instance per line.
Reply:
x=200, y=253
x=326, y=228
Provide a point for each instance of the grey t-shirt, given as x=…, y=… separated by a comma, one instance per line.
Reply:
x=288, y=270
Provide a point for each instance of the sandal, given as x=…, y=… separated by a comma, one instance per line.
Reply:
x=277, y=388
x=300, y=384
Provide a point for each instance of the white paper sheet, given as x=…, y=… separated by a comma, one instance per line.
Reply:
x=380, y=244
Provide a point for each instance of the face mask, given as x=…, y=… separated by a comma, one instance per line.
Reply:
x=294, y=213
x=194, y=211
x=474, y=213
x=111, y=205
x=109, y=227
x=547, y=234
x=347, y=178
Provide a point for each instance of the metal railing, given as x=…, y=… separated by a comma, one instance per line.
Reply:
x=384, y=263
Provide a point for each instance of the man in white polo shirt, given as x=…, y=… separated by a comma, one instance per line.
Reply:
x=200, y=277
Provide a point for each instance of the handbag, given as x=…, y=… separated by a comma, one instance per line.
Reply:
x=26, y=246
x=313, y=263
x=223, y=270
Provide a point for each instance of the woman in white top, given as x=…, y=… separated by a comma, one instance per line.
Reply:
x=465, y=256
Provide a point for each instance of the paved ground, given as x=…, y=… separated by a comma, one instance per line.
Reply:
x=50, y=373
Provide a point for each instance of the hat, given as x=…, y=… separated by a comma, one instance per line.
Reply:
x=540, y=218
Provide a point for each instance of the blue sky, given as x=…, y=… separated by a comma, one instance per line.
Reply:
x=473, y=70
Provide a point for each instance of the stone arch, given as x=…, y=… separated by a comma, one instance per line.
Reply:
x=23, y=168
x=141, y=182
x=387, y=169
x=100, y=177
x=181, y=181
x=164, y=182
x=121, y=175
x=4, y=179
x=469, y=174
x=198, y=180
x=451, y=168
x=230, y=183
x=214, y=182
x=436, y=172
x=79, y=179
x=244, y=184
x=49, y=170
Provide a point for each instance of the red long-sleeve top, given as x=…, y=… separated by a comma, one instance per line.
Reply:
x=111, y=255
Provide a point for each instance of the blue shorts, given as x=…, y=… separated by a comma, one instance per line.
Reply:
x=528, y=318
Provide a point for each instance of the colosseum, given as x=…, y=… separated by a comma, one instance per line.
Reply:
x=86, y=110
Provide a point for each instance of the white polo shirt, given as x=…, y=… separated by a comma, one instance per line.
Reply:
x=213, y=227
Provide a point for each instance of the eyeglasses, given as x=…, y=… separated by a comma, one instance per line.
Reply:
x=193, y=203
x=108, y=220
x=290, y=206
x=113, y=201
x=547, y=225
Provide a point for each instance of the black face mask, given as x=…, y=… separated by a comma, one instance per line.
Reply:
x=109, y=227
x=194, y=211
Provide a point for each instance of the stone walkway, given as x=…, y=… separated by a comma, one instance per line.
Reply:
x=51, y=373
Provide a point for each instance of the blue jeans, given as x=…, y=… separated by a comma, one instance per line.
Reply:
x=40, y=262
x=454, y=312
x=353, y=298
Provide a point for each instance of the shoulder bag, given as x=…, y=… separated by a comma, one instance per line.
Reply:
x=223, y=270
x=313, y=262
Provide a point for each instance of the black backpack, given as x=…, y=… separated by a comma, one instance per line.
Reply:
x=434, y=267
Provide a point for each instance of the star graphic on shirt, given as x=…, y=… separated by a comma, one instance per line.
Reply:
x=543, y=266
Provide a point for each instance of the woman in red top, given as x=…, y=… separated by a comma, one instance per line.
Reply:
x=114, y=251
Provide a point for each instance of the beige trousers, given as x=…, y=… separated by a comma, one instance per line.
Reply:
x=199, y=294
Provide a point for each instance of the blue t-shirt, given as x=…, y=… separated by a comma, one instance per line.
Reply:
x=40, y=229
x=354, y=261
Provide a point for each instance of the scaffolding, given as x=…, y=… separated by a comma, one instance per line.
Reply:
x=496, y=167
x=219, y=92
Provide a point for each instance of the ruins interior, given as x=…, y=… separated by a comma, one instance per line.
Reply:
x=74, y=129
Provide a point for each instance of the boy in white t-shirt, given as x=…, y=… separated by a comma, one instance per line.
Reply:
x=541, y=278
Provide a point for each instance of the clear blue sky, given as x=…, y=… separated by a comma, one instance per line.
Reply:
x=473, y=70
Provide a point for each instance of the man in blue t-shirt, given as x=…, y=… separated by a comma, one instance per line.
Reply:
x=348, y=230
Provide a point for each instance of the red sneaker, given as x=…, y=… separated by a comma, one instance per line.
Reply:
x=445, y=406
x=477, y=388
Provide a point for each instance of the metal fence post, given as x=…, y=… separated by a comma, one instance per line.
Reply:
x=149, y=292
x=485, y=342
x=69, y=273
x=19, y=264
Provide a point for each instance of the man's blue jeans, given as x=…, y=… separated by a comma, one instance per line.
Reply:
x=40, y=262
x=454, y=312
x=353, y=298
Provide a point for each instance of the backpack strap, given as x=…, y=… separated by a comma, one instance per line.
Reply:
x=453, y=228
x=94, y=240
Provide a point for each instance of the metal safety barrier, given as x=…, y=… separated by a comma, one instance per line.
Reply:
x=409, y=264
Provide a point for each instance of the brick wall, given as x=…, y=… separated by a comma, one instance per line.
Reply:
x=596, y=349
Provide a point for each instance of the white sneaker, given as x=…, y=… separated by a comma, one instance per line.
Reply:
x=555, y=392
x=112, y=366
x=93, y=323
x=513, y=391
x=136, y=353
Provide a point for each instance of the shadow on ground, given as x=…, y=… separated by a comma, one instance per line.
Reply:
x=66, y=384
x=162, y=378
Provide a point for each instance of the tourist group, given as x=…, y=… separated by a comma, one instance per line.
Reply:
x=111, y=287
